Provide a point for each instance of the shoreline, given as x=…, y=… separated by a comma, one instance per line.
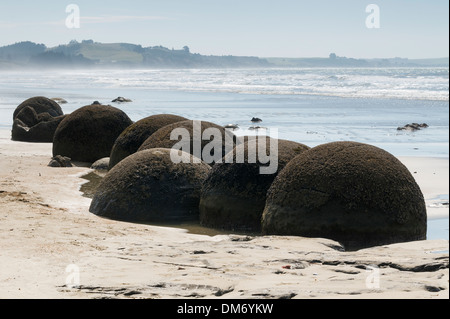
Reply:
x=50, y=239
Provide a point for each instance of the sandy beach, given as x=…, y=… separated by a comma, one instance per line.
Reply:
x=52, y=247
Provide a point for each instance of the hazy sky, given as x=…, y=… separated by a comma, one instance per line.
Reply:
x=281, y=28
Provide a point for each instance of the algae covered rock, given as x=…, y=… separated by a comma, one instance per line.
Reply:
x=132, y=137
x=148, y=186
x=234, y=194
x=351, y=192
x=89, y=133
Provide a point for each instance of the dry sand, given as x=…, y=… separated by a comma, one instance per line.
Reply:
x=52, y=247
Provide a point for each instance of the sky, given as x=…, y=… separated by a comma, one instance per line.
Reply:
x=283, y=28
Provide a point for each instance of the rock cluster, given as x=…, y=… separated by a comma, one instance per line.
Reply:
x=354, y=193
x=412, y=127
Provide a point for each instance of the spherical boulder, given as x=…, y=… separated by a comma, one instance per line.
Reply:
x=89, y=133
x=148, y=186
x=35, y=120
x=132, y=137
x=205, y=140
x=354, y=193
x=234, y=194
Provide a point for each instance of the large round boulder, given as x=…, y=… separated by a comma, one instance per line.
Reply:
x=89, y=133
x=234, y=194
x=132, y=137
x=148, y=186
x=35, y=120
x=205, y=140
x=354, y=193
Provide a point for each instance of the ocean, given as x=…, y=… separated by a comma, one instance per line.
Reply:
x=311, y=106
x=307, y=105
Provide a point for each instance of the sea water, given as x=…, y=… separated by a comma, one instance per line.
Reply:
x=307, y=105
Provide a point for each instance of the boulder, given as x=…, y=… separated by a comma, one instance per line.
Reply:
x=350, y=192
x=40, y=104
x=89, y=133
x=42, y=132
x=234, y=194
x=132, y=137
x=35, y=120
x=217, y=146
x=148, y=186
x=27, y=116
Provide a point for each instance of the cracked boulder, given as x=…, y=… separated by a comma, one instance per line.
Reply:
x=148, y=186
x=354, y=193
x=36, y=120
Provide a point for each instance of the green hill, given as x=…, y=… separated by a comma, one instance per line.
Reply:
x=88, y=53
x=102, y=53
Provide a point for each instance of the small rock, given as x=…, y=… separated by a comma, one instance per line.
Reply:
x=256, y=120
x=257, y=128
x=412, y=127
x=433, y=288
x=101, y=165
x=121, y=99
x=60, y=161
x=59, y=100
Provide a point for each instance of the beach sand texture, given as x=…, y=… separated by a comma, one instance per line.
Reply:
x=52, y=247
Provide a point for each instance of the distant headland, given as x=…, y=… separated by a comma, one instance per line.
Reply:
x=90, y=54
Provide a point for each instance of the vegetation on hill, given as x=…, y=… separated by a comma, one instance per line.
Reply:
x=88, y=53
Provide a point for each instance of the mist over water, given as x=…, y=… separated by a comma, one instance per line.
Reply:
x=419, y=83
